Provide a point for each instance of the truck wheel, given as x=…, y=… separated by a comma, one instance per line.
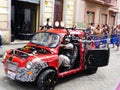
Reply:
x=91, y=70
x=47, y=80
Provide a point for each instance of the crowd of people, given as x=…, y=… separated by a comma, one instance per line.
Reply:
x=101, y=35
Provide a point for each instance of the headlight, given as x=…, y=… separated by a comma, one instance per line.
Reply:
x=56, y=24
x=29, y=65
x=34, y=61
x=62, y=24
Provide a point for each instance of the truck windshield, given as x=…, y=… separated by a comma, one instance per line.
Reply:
x=46, y=39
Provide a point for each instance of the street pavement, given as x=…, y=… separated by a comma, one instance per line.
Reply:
x=105, y=79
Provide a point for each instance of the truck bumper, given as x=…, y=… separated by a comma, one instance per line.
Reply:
x=26, y=75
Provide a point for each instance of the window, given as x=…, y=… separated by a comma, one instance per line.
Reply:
x=46, y=39
x=112, y=20
x=107, y=1
x=103, y=19
x=90, y=17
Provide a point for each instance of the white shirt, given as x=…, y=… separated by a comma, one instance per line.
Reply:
x=67, y=46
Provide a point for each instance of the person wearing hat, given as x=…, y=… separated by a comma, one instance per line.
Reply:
x=64, y=56
x=118, y=37
x=113, y=36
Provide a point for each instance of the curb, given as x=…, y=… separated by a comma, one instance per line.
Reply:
x=11, y=43
x=1, y=55
x=15, y=43
x=1, y=52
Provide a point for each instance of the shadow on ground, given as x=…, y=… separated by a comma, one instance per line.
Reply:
x=32, y=86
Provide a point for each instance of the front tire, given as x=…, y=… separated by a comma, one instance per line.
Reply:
x=47, y=80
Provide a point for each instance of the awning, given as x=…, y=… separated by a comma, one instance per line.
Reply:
x=31, y=1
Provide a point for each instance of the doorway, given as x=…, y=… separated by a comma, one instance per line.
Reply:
x=58, y=10
x=23, y=19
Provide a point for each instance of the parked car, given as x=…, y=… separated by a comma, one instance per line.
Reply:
x=38, y=61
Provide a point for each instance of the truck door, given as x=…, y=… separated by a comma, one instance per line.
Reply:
x=97, y=57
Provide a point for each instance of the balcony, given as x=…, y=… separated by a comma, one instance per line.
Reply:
x=96, y=1
x=113, y=9
x=109, y=2
x=104, y=2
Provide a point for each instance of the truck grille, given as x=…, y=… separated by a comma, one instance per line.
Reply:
x=12, y=66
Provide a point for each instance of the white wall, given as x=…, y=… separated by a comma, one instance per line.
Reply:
x=81, y=7
x=79, y=11
x=119, y=12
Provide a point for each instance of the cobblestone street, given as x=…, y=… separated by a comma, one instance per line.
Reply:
x=105, y=79
x=48, y=40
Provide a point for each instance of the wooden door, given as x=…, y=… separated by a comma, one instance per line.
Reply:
x=58, y=10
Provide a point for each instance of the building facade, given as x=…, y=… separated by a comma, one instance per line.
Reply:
x=22, y=18
x=119, y=13
x=96, y=11
x=19, y=18
x=5, y=20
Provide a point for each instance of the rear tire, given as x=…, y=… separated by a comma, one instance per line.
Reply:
x=47, y=80
x=91, y=70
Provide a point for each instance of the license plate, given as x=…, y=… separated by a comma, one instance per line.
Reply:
x=12, y=66
x=11, y=75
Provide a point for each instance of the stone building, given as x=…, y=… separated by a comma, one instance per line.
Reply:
x=96, y=11
x=119, y=13
x=5, y=20
x=22, y=18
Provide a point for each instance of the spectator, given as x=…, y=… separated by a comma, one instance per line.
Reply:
x=48, y=26
x=113, y=36
x=118, y=37
x=92, y=28
x=98, y=34
x=108, y=35
x=74, y=27
x=105, y=32
x=88, y=33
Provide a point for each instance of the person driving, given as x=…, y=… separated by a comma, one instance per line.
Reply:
x=64, y=56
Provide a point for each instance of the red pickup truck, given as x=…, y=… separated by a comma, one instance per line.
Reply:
x=38, y=60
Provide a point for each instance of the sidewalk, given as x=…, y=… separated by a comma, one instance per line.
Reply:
x=1, y=51
x=20, y=42
x=15, y=44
